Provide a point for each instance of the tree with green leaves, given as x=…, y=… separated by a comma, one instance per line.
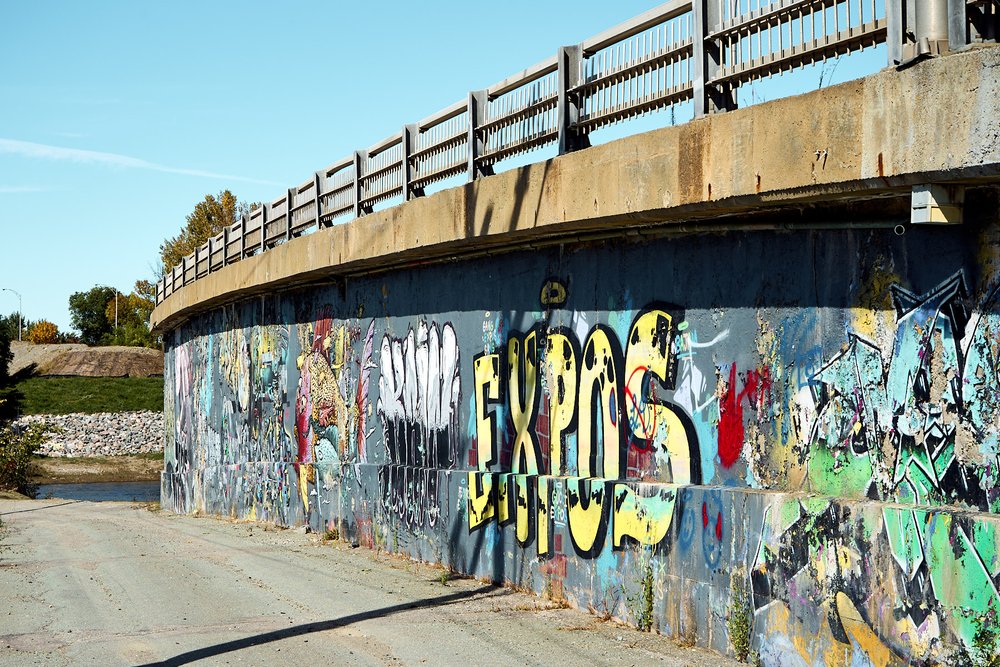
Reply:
x=87, y=310
x=129, y=317
x=9, y=396
x=209, y=217
x=9, y=324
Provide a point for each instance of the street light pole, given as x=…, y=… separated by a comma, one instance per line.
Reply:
x=20, y=311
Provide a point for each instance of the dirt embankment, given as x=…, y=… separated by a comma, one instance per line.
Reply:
x=76, y=359
x=141, y=468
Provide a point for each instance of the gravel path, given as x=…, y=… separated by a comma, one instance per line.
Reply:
x=117, y=584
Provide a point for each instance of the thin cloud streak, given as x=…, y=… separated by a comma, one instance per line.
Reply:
x=20, y=189
x=61, y=153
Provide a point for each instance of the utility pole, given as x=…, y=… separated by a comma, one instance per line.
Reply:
x=20, y=311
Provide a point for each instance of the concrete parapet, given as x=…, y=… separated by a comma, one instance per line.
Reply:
x=871, y=138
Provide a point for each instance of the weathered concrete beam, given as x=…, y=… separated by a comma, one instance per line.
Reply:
x=938, y=121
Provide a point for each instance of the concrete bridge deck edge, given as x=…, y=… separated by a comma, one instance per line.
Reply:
x=873, y=138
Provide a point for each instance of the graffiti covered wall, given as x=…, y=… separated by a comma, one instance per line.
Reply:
x=806, y=421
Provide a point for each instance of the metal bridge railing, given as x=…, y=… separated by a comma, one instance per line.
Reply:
x=682, y=50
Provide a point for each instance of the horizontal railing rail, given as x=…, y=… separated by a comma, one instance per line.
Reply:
x=679, y=51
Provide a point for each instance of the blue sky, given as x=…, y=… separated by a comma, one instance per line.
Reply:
x=116, y=118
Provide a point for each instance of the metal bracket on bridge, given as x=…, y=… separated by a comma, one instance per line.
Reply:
x=933, y=204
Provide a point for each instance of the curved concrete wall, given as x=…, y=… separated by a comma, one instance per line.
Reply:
x=806, y=421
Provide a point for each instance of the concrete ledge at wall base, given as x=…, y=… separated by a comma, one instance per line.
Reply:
x=100, y=434
x=780, y=574
x=936, y=121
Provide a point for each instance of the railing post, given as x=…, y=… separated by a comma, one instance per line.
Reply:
x=570, y=60
x=410, y=134
x=289, y=196
x=317, y=180
x=264, y=209
x=360, y=158
x=209, y=255
x=184, y=270
x=709, y=97
x=196, y=249
x=895, y=24
x=243, y=235
x=958, y=36
x=477, y=107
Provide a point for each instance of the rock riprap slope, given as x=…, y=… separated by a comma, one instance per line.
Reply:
x=101, y=434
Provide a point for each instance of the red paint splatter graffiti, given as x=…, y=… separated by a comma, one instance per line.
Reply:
x=756, y=387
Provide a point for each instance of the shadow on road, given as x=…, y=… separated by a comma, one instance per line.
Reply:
x=36, y=509
x=318, y=626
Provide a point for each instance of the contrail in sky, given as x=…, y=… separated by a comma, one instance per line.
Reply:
x=63, y=154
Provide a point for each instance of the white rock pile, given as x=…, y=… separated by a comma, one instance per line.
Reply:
x=101, y=434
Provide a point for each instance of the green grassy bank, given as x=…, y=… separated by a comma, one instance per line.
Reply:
x=64, y=395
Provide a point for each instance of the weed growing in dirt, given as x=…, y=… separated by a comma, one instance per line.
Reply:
x=739, y=617
x=645, y=620
x=331, y=534
x=16, y=448
x=986, y=640
x=605, y=608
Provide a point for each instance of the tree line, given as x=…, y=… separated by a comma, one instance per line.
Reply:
x=104, y=315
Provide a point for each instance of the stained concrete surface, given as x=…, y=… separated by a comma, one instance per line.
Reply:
x=117, y=584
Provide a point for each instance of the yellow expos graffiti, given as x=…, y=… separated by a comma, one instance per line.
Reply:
x=602, y=396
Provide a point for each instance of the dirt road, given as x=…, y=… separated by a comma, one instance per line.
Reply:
x=118, y=584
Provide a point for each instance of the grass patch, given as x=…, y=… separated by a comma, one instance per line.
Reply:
x=64, y=395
